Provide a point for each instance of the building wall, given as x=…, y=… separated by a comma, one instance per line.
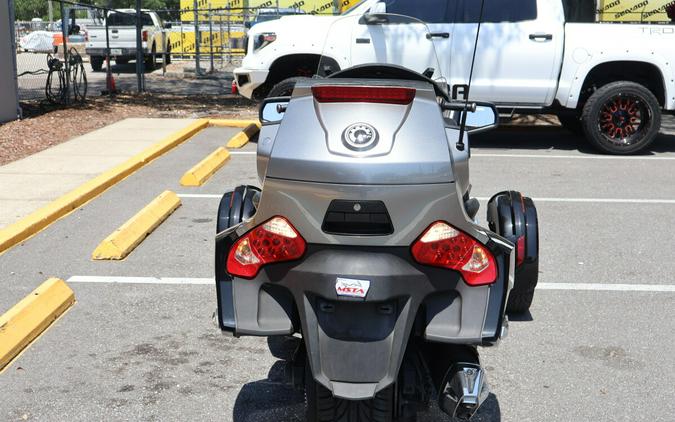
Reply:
x=9, y=104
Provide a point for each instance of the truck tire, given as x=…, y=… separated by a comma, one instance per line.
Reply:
x=513, y=216
x=151, y=60
x=323, y=407
x=621, y=118
x=284, y=88
x=96, y=63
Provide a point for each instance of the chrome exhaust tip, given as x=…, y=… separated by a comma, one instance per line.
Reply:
x=464, y=390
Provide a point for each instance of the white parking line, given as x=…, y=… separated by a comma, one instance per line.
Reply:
x=485, y=198
x=573, y=157
x=540, y=286
x=242, y=152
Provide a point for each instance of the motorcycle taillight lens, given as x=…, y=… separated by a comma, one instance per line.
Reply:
x=520, y=250
x=363, y=94
x=442, y=245
x=275, y=240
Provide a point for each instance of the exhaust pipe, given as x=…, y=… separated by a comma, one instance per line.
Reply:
x=464, y=390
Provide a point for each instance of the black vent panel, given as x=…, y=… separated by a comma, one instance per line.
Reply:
x=357, y=218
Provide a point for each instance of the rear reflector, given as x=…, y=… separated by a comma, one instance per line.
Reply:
x=363, y=94
x=442, y=245
x=520, y=250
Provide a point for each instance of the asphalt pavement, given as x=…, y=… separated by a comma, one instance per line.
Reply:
x=141, y=344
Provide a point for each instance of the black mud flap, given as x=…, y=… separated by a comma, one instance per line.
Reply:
x=514, y=216
x=235, y=206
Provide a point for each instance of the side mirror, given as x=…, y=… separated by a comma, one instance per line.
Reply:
x=272, y=109
x=484, y=118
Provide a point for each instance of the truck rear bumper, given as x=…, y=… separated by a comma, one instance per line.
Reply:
x=114, y=52
x=248, y=80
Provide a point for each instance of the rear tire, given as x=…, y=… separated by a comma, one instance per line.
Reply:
x=323, y=407
x=151, y=60
x=285, y=87
x=236, y=206
x=96, y=63
x=513, y=216
x=621, y=118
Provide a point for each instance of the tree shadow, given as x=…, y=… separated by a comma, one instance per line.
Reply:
x=557, y=138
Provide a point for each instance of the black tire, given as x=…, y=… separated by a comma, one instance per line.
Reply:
x=621, y=118
x=167, y=56
x=284, y=88
x=513, y=216
x=151, y=60
x=323, y=407
x=121, y=61
x=236, y=206
x=96, y=63
x=572, y=122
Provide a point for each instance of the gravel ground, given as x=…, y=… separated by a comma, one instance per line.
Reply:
x=45, y=126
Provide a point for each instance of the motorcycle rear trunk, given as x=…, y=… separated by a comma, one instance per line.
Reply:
x=359, y=212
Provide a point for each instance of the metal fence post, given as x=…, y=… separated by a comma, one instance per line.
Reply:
x=211, y=37
x=64, y=34
x=108, y=69
x=139, y=48
x=197, y=38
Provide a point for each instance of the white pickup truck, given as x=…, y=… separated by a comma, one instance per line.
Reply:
x=122, y=39
x=612, y=81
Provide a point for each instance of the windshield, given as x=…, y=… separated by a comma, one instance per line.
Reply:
x=377, y=41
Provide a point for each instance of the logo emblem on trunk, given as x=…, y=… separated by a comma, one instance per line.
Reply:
x=352, y=288
x=360, y=137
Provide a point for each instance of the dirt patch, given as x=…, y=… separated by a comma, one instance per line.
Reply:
x=44, y=126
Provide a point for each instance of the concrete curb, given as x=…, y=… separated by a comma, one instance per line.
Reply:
x=203, y=170
x=130, y=234
x=233, y=123
x=38, y=220
x=242, y=138
x=26, y=320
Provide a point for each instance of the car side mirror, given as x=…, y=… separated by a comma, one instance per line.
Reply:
x=272, y=109
x=485, y=117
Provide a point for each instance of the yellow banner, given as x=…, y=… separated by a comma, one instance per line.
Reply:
x=237, y=12
x=184, y=43
x=633, y=10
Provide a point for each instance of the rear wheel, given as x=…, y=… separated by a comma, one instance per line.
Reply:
x=323, y=407
x=285, y=87
x=151, y=60
x=514, y=217
x=621, y=118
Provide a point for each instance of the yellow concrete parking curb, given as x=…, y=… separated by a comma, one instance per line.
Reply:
x=123, y=240
x=242, y=138
x=233, y=123
x=198, y=174
x=26, y=320
x=38, y=220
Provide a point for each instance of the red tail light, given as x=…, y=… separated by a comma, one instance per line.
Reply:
x=520, y=250
x=441, y=245
x=145, y=35
x=276, y=240
x=363, y=94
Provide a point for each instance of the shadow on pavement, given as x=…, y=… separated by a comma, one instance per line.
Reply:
x=269, y=400
x=557, y=138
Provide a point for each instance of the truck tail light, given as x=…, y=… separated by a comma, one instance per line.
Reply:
x=275, y=240
x=442, y=245
x=363, y=94
x=145, y=35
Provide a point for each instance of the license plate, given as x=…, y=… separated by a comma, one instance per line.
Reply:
x=115, y=51
x=351, y=288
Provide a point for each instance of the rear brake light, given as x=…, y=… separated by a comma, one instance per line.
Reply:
x=145, y=35
x=441, y=245
x=276, y=240
x=363, y=94
x=520, y=250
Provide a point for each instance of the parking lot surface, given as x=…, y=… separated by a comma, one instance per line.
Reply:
x=141, y=344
